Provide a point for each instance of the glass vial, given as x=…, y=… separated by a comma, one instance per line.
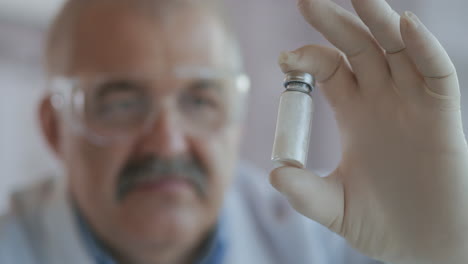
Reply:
x=293, y=125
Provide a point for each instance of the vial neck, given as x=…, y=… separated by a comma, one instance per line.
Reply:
x=298, y=87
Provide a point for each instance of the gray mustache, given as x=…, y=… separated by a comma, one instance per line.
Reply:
x=156, y=169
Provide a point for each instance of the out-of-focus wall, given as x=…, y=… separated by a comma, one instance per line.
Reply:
x=265, y=27
x=23, y=155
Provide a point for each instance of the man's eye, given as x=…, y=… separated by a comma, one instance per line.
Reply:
x=199, y=102
x=121, y=106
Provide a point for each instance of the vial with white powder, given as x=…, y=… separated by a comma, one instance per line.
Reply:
x=293, y=126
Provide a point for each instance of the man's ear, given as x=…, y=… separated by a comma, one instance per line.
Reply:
x=50, y=125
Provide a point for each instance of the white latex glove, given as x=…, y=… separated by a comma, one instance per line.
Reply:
x=400, y=192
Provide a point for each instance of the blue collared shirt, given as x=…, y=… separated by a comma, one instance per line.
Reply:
x=214, y=254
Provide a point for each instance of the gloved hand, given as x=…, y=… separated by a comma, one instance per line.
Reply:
x=400, y=192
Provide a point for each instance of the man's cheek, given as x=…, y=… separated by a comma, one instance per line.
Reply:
x=225, y=148
x=216, y=154
x=100, y=165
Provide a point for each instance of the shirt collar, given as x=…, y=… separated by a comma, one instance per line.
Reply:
x=213, y=252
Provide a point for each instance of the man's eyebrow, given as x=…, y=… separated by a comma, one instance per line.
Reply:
x=206, y=84
x=111, y=86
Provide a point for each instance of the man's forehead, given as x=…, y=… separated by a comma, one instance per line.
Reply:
x=110, y=37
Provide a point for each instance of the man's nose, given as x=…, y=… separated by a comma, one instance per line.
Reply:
x=166, y=137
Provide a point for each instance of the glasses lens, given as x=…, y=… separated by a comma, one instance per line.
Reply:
x=116, y=107
x=205, y=105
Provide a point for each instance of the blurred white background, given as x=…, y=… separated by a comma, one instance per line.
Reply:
x=265, y=28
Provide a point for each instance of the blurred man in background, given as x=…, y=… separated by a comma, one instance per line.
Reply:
x=144, y=111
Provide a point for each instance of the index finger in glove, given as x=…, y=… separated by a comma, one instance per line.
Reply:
x=350, y=35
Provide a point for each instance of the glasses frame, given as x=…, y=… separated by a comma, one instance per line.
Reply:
x=68, y=98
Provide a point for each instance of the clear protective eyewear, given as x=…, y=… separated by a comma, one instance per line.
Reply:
x=112, y=107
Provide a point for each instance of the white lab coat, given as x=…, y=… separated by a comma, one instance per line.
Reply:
x=262, y=228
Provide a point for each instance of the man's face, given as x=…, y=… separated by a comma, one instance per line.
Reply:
x=165, y=186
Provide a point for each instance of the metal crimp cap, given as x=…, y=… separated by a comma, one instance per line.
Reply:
x=299, y=81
